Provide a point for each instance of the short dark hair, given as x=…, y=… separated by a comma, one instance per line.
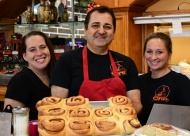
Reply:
x=101, y=9
x=49, y=45
x=163, y=36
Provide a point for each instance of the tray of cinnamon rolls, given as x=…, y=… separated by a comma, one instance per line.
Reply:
x=77, y=116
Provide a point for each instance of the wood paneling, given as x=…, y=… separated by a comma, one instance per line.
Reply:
x=13, y=8
x=128, y=36
x=2, y=92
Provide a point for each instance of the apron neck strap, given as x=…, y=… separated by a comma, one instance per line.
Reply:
x=85, y=64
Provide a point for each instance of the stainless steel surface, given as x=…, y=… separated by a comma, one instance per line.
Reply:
x=171, y=114
x=5, y=124
x=98, y=104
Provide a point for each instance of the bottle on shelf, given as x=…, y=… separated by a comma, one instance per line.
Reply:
x=65, y=16
x=54, y=11
x=60, y=11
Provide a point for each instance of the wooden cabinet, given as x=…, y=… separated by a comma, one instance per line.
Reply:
x=2, y=92
x=128, y=36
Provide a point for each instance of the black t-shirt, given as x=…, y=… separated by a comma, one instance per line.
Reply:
x=27, y=88
x=68, y=72
x=173, y=88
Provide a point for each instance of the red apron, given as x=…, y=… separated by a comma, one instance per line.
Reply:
x=101, y=90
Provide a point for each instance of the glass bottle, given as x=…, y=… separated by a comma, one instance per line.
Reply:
x=65, y=16
x=20, y=121
x=40, y=11
x=54, y=11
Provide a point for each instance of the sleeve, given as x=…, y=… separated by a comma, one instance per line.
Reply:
x=62, y=72
x=183, y=90
x=132, y=75
x=18, y=88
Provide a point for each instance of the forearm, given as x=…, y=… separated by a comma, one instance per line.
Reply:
x=134, y=95
x=59, y=91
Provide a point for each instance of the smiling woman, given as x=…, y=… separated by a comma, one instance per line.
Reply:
x=161, y=85
x=31, y=84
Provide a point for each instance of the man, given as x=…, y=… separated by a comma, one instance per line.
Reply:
x=94, y=71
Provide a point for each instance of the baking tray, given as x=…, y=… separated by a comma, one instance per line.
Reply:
x=99, y=104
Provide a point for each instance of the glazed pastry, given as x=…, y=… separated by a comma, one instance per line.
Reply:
x=76, y=101
x=106, y=126
x=102, y=112
x=80, y=113
x=159, y=129
x=52, y=112
x=119, y=100
x=49, y=102
x=50, y=127
x=125, y=112
x=128, y=126
x=79, y=127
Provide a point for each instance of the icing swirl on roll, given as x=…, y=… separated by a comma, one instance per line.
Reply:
x=120, y=100
x=79, y=112
x=48, y=101
x=75, y=100
x=53, y=112
x=103, y=112
x=126, y=111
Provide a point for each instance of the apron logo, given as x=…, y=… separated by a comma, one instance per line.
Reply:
x=120, y=69
x=162, y=93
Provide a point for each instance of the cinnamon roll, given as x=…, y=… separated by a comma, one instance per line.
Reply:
x=49, y=102
x=125, y=112
x=106, y=126
x=52, y=112
x=80, y=127
x=102, y=112
x=80, y=113
x=129, y=126
x=76, y=101
x=49, y=127
x=119, y=100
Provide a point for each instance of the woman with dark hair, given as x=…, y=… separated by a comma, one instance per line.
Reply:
x=94, y=71
x=161, y=85
x=31, y=84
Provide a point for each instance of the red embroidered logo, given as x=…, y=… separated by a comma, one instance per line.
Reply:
x=120, y=69
x=162, y=93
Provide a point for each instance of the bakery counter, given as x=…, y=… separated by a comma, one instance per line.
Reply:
x=2, y=92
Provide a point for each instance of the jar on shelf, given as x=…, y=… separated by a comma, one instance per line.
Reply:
x=65, y=16
x=47, y=14
x=54, y=11
x=29, y=14
x=40, y=11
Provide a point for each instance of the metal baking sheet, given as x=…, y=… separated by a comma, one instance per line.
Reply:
x=171, y=114
x=99, y=104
